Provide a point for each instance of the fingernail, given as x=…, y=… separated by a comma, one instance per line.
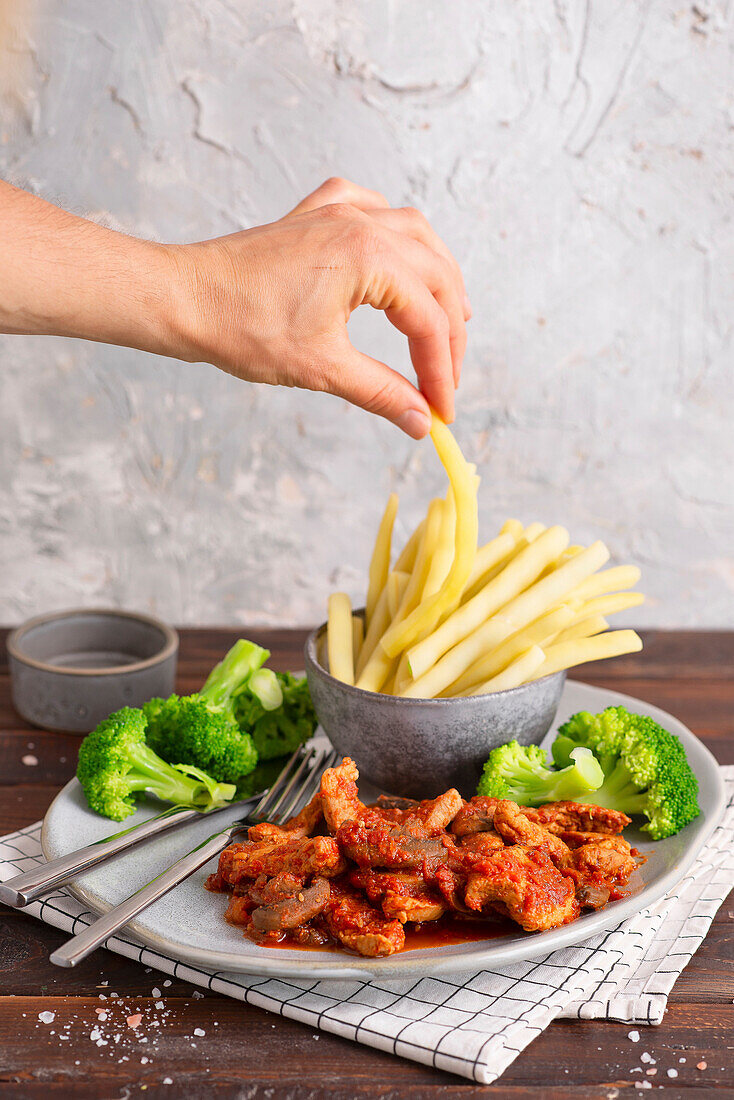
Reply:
x=415, y=423
x=467, y=307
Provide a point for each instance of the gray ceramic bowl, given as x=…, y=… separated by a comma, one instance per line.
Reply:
x=420, y=747
x=70, y=670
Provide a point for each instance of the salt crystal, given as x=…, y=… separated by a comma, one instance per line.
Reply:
x=168, y=982
x=634, y=1036
x=94, y=1034
x=681, y=1061
x=47, y=1017
x=155, y=991
x=102, y=1043
x=29, y=760
x=197, y=995
x=200, y=1032
x=103, y=984
x=651, y=1072
x=702, y=1065
x=134, y=1021
x=643, y=1085
x=159, y=1004
x=167, y=1080
x=672, y=1073
x=645, y=1057
x=101, y=1016
x=143, y=1061
x=114, y=996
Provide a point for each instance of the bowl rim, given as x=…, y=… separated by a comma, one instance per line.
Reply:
x=309, y=656
x=16, y=637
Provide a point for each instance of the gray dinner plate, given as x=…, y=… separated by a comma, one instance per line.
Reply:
x=188, y=924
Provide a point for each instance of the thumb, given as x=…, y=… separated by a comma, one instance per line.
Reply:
x=374, y=386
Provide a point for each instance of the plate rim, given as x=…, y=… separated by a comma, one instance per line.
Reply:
x=408, y=963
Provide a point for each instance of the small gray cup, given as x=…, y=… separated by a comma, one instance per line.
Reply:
x=421, y=747
x=71, y=669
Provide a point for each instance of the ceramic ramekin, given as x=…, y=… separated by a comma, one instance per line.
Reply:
x=69, y=670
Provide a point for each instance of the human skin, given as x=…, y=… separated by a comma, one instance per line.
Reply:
x=268, y=304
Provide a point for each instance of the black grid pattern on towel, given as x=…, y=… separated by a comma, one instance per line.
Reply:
x=471, y=1023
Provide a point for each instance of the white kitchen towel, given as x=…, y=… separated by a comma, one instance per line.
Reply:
x=470, y=1023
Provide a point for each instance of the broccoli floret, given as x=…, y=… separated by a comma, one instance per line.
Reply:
x=521, y=773
x=281, y=730
x=201, y=729
x=645, y=767
x=115, y=762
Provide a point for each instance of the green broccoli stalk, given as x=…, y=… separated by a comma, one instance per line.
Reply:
x=521, y=773
x=645, y=767
x=201, y=729
x=278, y=730
x=115, y=763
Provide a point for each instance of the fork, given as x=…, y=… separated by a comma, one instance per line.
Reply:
x=30, y=885
x=295, y=785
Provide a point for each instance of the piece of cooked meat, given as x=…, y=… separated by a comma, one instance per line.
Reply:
x=371, y=842
x=431, y=817
x=516, y=828
x=476, y=816
x=356, y=924
x=525, y=881
x=293, y=911
x=339, y=796
x=318, y=855
x=559, y=817
x=268, y=891
x=404, y=897
x=482, y=843
x=609, y=859
x=304, y=823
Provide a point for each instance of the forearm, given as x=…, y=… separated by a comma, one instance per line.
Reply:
x=65, y=276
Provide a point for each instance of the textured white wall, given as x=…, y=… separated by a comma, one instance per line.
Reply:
x=576, y=155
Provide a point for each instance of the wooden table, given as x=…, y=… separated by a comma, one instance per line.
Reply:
x=250, y=1053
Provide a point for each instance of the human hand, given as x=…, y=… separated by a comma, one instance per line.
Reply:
x=271, y=304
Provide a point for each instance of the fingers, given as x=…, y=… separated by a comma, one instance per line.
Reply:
x=414, y=224
x=337, y=190
x=440, y=276
x=373, y=386
x=409, y=305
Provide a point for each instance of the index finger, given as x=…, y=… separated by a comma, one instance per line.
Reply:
x=338, y=190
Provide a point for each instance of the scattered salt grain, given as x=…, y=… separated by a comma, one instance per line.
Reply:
x=159, y=1005
x=702, y=1065
x=134, y=1021
x=155, y=991
x=143, y=1061
x=47, y=1017
x=114, y=996
x=672, y=1073
x=167, y=1080
x=651, y=1072
x=197, y=995
x=634, y=1036
x=681, y=1061
x=102, y=1043
x=101, y=1015
x=103, y=984
x=29, y=760
x=200, y=1032
x=168, y=982
x=643, y=1085
x=645, y=1057
x=95, y=1034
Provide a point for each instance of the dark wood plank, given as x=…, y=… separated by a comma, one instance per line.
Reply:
x=254, y=1054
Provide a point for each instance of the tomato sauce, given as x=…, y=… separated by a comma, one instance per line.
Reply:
x=446, y=932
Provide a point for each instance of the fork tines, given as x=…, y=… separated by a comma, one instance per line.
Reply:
x=295, y=786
